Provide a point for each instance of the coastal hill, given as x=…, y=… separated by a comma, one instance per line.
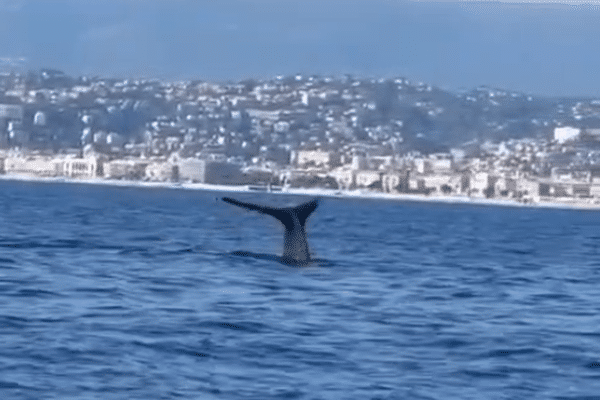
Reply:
x=49, y=110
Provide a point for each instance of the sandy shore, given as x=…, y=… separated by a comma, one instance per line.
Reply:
x=562, y=203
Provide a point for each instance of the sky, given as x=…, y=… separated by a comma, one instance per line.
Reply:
x=533, y=47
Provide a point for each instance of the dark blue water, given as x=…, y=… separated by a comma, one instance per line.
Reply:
x=129, y=293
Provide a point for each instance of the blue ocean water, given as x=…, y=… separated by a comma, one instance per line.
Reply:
x=132, y=293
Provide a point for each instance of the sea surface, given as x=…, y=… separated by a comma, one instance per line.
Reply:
x=133, y=293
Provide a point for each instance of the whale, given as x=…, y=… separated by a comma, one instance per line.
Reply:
x=295, y=244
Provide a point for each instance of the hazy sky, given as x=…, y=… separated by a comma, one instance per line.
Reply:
x=538, y=48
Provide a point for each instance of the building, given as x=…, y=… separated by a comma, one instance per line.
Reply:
x=595, y=190
x=440, y=165
x=192, y=170
x=478, y=183
x=582, y=190
x=206, y=171
x=395, y=181
x=33, y=166
x=125, y=169
x=564, y=188
x=162, y=172
x=367, y=178
x=505, y=187
x=261, y=176
x=344, y=177
x=528, y=189
x=441, y=184
x=483, y=184
x=222, y=173
x=565, y=133
x=359, y=162
x=317, y=158
x=11, y=112
x=416, y=185
x=84, y=168
x=433, y=165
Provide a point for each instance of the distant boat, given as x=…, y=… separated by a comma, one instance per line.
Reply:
x=265, y=188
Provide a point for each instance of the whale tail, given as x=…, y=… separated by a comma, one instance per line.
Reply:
x=303, y=211
x=285, y=215
x=295, y=246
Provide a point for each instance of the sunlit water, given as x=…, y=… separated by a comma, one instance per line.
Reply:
x=129, y=293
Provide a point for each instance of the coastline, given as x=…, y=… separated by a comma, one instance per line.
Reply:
x=568, y=203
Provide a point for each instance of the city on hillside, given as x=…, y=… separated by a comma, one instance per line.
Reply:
x=389, y=135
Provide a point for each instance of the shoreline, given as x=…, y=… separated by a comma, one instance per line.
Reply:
x=568, y=204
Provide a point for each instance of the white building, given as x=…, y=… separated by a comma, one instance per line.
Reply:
x=390, y=181
x=84, y=168
x=478, y=183
x=33, y=166
x=125, y=169
x=566, y=133
x=344, y=178
x=162, y=171
x=317, y=158
x=438, y=183
x=367, y=178
x=192, y=170
x=433, y=165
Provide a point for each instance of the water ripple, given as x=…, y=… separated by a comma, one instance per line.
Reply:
x=149, y=301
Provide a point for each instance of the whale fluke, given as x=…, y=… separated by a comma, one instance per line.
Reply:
x=295, y=245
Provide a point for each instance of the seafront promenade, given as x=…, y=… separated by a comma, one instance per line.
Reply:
x=559, y=203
